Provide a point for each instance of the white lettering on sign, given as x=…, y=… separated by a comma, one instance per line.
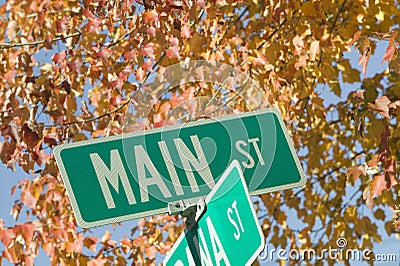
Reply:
x=200, y=164
x=143, y=163
x=239, y=146
x=218, y=249
x=170, y=167
x=117, y=170
x=206, y=258
x=189, y=258
x=229, y=212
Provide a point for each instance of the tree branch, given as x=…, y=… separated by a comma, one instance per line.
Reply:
x=58, y=38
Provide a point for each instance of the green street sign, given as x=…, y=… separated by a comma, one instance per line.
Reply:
x=228, y=233
x=134, y=175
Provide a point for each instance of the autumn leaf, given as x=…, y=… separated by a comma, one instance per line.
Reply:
x=390, y=50
x=185, y=31
x=30, y=137
x=363, y=61
x=356, y=171
x=381, y=106
x=150, y=16
x=314, y=49
x=299, y=44
x=382, y=182
x=90, y=69
x=378, y=184
x=173, y=52
x=355, y=38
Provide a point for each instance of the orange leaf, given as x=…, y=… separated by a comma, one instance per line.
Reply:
x=381, y=106
x=90, y=243
x=389, y=50
x=105, y=53
x=185, y=31
x=10, y=76
x=6, y=236
x=367, y=196
x=314, y=49
x=140, y=74
x=363, y=61
x=356, y=171
x=151, y=252
x=382, y=182
x=355, y=38
x=150, y=16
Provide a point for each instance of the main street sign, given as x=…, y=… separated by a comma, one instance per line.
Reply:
x=228, y=233
x=134, y=175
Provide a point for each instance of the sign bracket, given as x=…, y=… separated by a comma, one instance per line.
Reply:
x=190, y=210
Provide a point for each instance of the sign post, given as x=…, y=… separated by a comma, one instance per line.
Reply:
x=134, y=175
x=227, y=233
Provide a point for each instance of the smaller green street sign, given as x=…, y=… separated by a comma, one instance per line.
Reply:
x=228, y=233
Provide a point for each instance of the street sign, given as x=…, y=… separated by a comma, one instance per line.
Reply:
x=228, y=233
x=134, y=175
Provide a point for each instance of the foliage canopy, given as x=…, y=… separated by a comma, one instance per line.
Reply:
x=69, y=70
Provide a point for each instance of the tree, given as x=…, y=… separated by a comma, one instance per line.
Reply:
x=71, y=70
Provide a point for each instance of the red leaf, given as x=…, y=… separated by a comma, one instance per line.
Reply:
x=116, y=100
x=28, y=199
x=140, y=74
x=185, y=31
x=50, y=140
x=62, y=25
x=75, y=65
x=389, y=50
x=40, y=157
x=148, y=50
x=363, y=61
x=150, y=16
x=131, y=55
x=165, y=247
x=382, y=182
x=151, y=252
x=148, y=65
x=30, y=137
x=93, y=26
x=59, y=58
x=6, y=236
x=10, y=76
x=66, y=86
x=173, y=52
x=26, y=231
x=105, y=53
x=12, y=131
x=151, y=31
